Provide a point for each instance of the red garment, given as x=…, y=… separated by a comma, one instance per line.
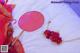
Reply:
x=3, y=22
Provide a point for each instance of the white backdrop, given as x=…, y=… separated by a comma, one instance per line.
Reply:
x=64, y=20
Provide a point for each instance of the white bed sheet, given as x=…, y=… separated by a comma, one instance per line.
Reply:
x=64, y=20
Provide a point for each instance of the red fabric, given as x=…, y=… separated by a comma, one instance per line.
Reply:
x=9, y=7
x=3, y=21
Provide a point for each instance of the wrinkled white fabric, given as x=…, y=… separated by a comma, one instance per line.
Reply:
x=64, y=20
